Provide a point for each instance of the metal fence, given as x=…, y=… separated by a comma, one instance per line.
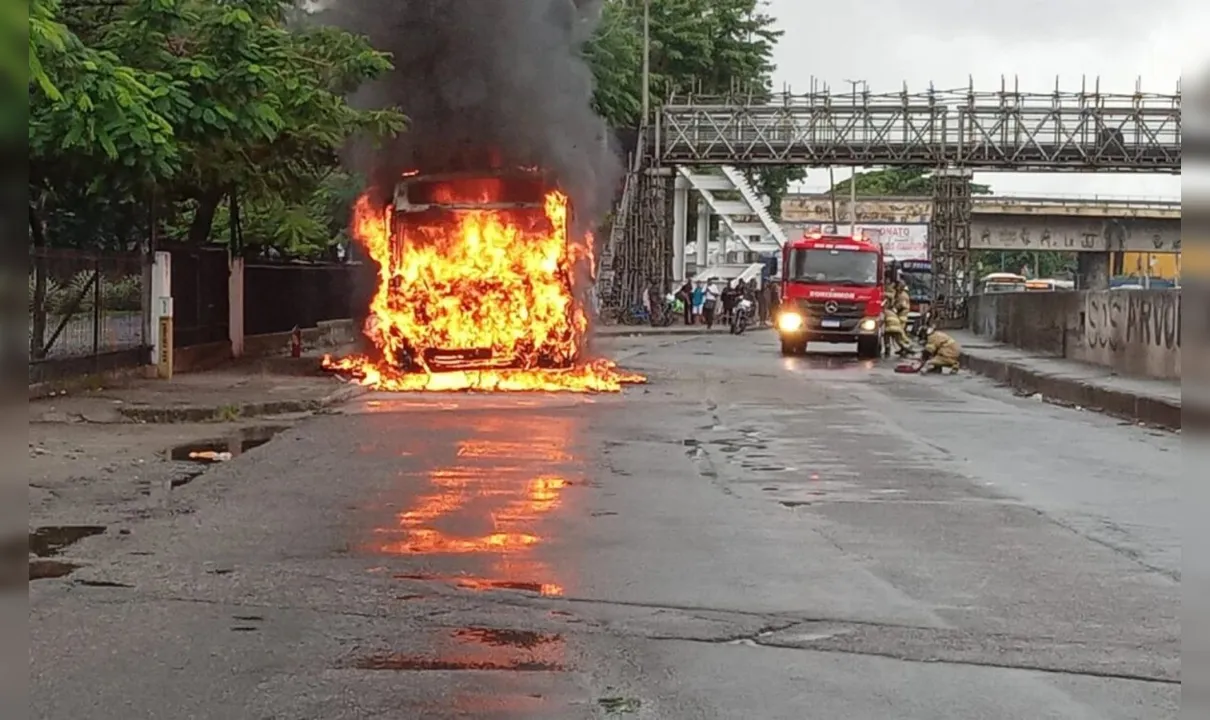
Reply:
x=86, y=312
x=280, y=296
x=199, y=294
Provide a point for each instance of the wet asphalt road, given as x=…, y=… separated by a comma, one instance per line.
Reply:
x=745, y=537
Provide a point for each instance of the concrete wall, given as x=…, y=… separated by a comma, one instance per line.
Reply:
x=1041, y=322
x=1134, y=332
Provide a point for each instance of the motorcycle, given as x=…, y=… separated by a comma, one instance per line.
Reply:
x=741, y=316
x=664, y=314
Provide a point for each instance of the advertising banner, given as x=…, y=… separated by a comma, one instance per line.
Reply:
x=899, y=242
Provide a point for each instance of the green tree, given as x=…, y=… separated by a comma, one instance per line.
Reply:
x=918, y=182
x=90, y=111
x=199, y=100
x=709, y=47
x=898, y=182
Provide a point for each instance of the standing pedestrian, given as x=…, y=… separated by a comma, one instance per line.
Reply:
x=730, y=295
x=699, y=300
x=685, y=296
x=710, y=303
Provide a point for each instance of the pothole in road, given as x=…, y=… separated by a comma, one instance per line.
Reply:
x=227, y=447
x=473, y=583
x=51, y=540
x=43, y=569
x=620, y=706
x=392, y=661
x=506, y=638
x=764, y=468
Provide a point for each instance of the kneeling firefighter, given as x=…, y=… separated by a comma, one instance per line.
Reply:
x=941, y=352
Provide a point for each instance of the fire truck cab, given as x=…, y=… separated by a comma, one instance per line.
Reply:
x=831, y=291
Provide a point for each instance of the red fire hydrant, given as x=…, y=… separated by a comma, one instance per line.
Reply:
x=296, y=342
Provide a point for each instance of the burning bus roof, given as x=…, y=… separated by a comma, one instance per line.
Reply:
x=497, y=189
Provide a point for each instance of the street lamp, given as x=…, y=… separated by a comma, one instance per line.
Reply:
x=853, y=177
x=646, y=61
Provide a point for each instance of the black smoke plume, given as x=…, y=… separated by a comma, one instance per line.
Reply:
x=486, y=84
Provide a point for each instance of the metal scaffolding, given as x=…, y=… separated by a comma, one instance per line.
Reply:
x=949, y=245
x=1007, y=129
x=638, y=249
x=951, y=132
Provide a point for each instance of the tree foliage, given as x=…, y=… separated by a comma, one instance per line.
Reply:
x=708, y=47
x=195, y=101
x=199, y=101
x=898, y=182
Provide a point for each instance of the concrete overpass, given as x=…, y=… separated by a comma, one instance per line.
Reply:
x=1060, y=224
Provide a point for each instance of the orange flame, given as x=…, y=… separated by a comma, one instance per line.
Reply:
x=493, y=282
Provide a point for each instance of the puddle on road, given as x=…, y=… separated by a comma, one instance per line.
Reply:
x=477, y=648
x=419, y=664
x=226, y=447
x=526, y=639
x=51, y=540
x=485, y=512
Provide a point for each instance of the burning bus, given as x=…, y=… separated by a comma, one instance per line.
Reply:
x=476, y=287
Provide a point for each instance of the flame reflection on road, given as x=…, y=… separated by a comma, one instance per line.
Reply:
x=487, y=506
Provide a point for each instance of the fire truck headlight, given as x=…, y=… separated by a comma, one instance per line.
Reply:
x=869, y=325
x=789, y=322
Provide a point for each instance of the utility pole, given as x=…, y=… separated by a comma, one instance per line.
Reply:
x=853, y=177
x=646, y=62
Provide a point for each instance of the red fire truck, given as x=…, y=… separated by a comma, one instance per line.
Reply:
x=831, y=291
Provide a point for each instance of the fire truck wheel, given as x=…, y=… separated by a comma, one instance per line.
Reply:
x=868, y=347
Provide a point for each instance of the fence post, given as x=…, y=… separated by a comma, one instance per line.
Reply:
x=161, y=306
x=96, y=311
x=235, y=305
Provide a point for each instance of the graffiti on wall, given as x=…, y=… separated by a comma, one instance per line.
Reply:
x=1116, y=320
x=1102, y=320
x=992, y=236
x=1154, y=319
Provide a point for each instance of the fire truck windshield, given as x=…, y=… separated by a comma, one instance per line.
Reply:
x=833, y=267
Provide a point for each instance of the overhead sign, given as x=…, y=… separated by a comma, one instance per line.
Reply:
x=910, y=266
x=898, y=241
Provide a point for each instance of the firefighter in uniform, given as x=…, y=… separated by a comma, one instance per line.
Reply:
x=903, y=303
x=941, y=352
x=894, y=331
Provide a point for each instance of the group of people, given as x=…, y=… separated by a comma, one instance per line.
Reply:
x=714, y=301
x=940, y=352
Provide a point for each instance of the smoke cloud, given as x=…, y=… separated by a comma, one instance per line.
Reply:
x=488, y=83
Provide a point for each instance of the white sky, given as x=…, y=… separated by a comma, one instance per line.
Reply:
x=889, y=42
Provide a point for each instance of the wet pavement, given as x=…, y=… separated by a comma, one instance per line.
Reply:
x=746, y=536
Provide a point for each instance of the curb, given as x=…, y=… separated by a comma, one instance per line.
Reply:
x=1124, y=404
x=227, y=413
x=615, y=331
x=343, y=395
